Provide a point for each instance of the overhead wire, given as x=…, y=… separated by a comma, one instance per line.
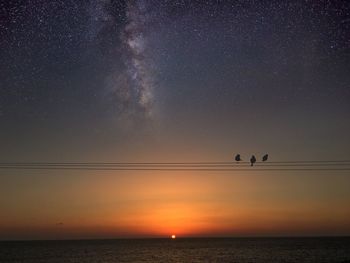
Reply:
x=313, y=165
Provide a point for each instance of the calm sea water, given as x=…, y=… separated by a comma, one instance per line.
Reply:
x=180, y=250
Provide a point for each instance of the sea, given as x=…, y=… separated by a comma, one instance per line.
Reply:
x=240, y=250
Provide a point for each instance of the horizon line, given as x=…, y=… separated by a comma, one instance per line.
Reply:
x=180, y=237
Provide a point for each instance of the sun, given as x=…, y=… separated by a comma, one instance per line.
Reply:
x=173, y=236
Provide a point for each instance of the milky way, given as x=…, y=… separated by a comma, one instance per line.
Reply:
x=132, y=83
x=138, y=64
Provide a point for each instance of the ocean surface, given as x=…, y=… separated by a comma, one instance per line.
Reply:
x=179, y=250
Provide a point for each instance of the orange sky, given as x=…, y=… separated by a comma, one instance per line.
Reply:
x=148, y=204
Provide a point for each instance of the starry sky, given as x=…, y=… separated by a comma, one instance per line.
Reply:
x=181, y=80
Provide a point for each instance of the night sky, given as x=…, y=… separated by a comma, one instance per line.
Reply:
x=190, y=80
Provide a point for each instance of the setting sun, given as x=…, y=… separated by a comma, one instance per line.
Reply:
x=173, y=236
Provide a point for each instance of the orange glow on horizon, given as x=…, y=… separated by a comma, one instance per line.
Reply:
x=166, y=204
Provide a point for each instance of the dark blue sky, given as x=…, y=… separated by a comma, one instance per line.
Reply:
x=188, y=71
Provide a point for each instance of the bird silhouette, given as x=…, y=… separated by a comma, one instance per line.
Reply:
x=238, y=158
x=252, y=160
x=265, y=157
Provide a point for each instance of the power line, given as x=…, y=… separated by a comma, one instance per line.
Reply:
x=173, y=163
x=314, y=165
x=170, y=169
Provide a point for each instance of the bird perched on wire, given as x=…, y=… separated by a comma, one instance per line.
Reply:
x=265, y=157
x=238, y=158
x=252, y=160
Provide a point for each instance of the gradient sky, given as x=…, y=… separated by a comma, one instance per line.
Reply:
x=173, y=81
